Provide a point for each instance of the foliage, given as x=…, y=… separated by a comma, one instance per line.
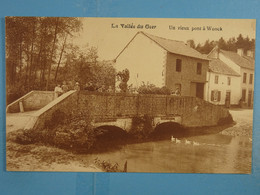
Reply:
x=226, y=120
x=141, y=126
x=83, y=66
x=232, y=44
x=152, y=89
x=62, y=131
x=123, y=76
x=107, y=165
x=34, y=49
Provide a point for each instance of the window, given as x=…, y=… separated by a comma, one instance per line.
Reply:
x=216, y=79
x=243, y=95
x=178, y=65
x=199, y=66
x=251, y=79
x=244, y=77
x=229, y=81
x=215, y=95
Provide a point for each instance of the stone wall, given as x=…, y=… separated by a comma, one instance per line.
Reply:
x=102, y=107
x=66, y=103
x=33, y=100
x=193, y=111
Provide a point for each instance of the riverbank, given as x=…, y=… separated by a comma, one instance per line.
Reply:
x=39, y=157
x=244, y=123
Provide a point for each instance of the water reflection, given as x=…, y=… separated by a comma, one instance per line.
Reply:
x=214, y=153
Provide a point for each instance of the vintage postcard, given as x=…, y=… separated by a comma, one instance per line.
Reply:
x=129, y=94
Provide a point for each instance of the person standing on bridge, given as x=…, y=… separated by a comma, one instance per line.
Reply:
x=177, y=92
x=64, y=87
x=57, y=91
x=77, y=87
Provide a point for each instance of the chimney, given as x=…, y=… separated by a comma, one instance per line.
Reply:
x=240, y=51
x=250, y=53
x=217, y=52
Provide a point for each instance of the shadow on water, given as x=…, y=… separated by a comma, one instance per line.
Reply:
x=111, y=138
x=166, y=130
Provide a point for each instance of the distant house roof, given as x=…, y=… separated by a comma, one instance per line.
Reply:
x=242, y=61
x=172, y=46
x=217, y=66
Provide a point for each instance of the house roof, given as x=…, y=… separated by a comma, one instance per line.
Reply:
x=217, y=66
x=172, y=46
x=242, y=61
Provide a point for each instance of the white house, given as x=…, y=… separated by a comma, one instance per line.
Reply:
x=164, y=62
x=242, y=65
x=223, y=86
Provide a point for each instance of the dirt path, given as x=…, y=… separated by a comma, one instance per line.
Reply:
x=244, y=123
x=15, y=121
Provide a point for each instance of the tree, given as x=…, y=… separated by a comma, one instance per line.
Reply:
x=34, y=46
x=222, y=44
x=83, y=66
x=191, y=43
x=123, y=76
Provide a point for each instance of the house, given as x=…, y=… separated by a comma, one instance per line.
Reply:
x=241, y=64
x=155, y=60
x=223, y=86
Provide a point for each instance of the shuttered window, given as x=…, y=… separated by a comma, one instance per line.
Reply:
x=229, y=81
x=251, y=79
x=199, y=67
x=216, y=79
x=215, y=96
x=178, y=65
x=244, y=77
x=243, y=95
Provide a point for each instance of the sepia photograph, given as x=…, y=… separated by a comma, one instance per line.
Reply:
x=157, y=95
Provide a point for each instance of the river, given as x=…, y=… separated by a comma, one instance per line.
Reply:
x=222, y=149
x=204, y=153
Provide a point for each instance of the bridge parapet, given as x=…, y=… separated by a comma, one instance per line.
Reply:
x=33, y=100
x=193, y=111
x=117, y=108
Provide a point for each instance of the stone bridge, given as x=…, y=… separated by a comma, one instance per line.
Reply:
x=115, y=109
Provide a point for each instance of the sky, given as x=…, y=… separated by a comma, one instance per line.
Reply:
x=110, y=37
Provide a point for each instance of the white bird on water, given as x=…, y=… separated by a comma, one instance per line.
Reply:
x=187, y=142
x=178, y=141
x=195, y=143
x=173, y=139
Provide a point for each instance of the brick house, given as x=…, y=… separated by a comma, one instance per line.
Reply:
x=163, y=62
x=243, y=65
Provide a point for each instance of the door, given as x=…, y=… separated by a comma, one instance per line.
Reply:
x=200, y=90
x=249, y=98
x=227, y=100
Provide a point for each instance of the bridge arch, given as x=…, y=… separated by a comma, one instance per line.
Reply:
x=168, y=129
x=111, y=132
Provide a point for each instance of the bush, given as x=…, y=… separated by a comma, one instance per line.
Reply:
x=62, y=131
x=108, y=166
x=152, y=89
x=226, y=120
x=141, y=126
